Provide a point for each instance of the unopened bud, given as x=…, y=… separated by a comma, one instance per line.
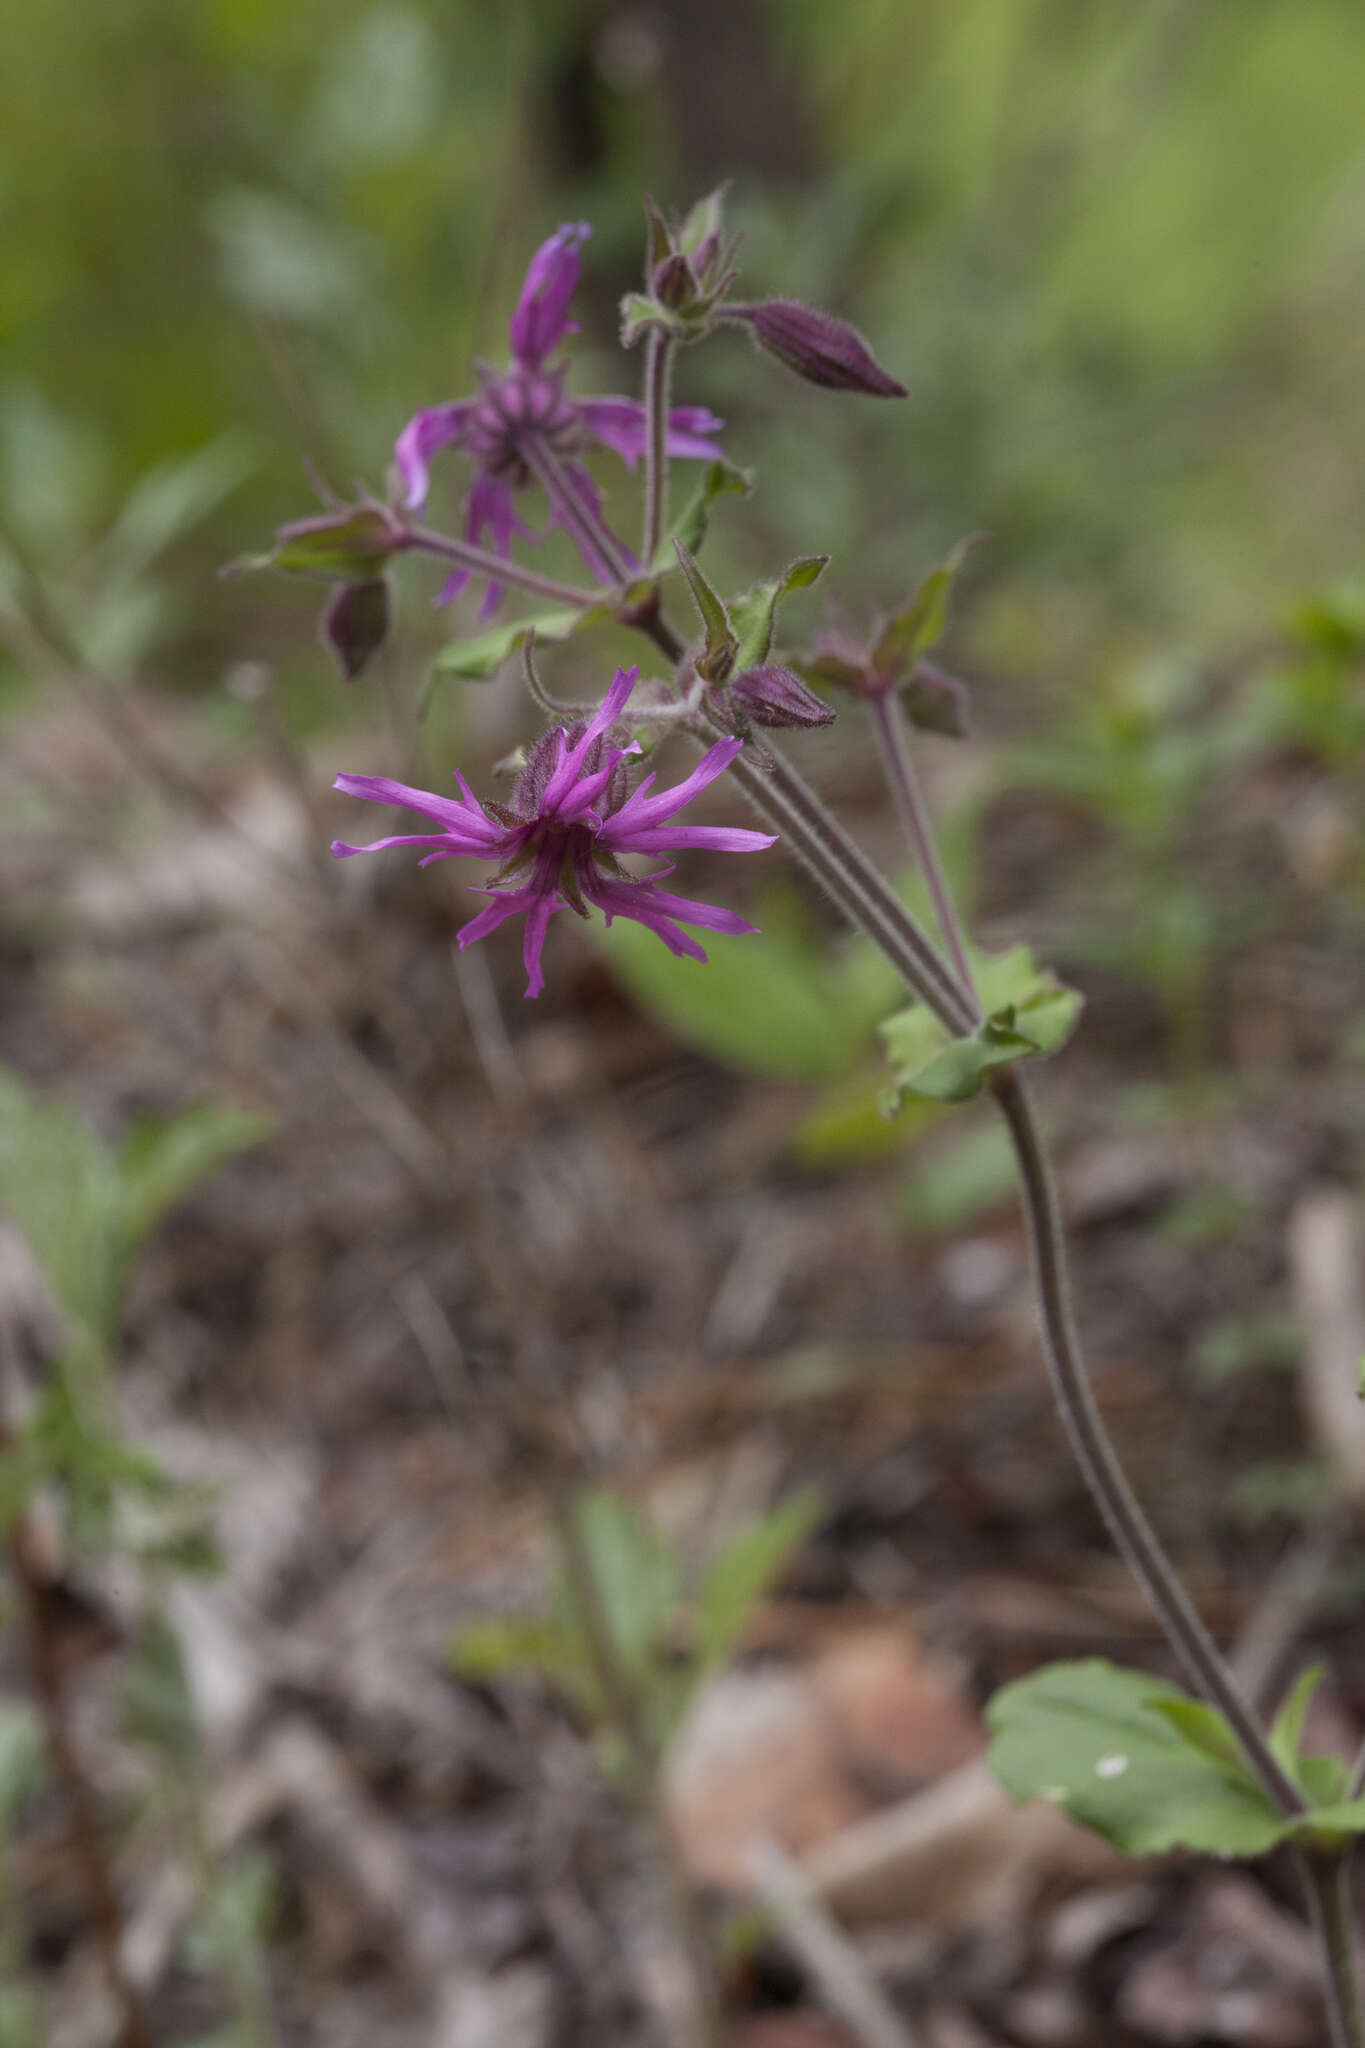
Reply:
x=818, y=347
x=356, y=623
x=774, y=696
x=936, y=701
x=673, y=282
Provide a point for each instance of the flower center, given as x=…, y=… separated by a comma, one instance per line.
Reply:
x=516, y=406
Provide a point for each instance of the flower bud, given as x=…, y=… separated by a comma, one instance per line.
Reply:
x=774, y=696
x=817, y=346
x=674, y=284
x=355, y=623
x=936, y=701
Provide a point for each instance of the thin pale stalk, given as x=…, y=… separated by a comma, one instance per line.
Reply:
x=1328, y=1883
x=898, y=764
x=658, y=390
x=497, y=569
x=1203, y=1663
x=587, y=528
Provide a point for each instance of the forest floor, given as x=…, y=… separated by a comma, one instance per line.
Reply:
x=493, y=1250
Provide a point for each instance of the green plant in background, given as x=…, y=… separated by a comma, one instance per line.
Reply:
x=84, y=1210
x=629, y=1644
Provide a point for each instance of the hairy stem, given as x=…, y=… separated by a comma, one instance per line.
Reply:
x=866, y=898
x=659, y=355
x=498, y=569
x=588, y=528
x=888, y=723
x=88, y=1849
x=1203, y=1663
x=1327, y=1878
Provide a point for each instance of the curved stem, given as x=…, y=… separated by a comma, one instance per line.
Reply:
x=1204, y=1664
x=898, y=762
x=658, y=387
x=497, y=568
x=1327, y=1879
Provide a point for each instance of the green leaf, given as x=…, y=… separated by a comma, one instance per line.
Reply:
x=754, y=615
x=355, y=542
x=1325, y=1779
x=1092, y=1738
x=718, y=479
x=915, y=628
x=775, y=1003
x=1286, y=1732
x=958, y=1072
x=1331, y=1825
x=962, y=1180
x=718, y=659
x=743, y=1572
x=62, y=1189
x=484, y=653
x=23, y=1760
x=162, y=1160
x=1029, y=1015
x=510, y=1643
x=170, y=499
x=637, y=1577
x=1203, y=1727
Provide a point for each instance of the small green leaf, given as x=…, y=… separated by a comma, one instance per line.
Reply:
x=915, y=628
x=637, y=313
x=162, y=1160
x=754, y=615
x=718, y=479
x=354, y=542
x=743, y=1572
x=1029, y=1015
x=1325, y=1779
x=484, y=653
x=718, y=659
x=1203, y=1728
x=1332, y=1825
x=1286, y=1732
x=23, y=1760
x=539, y=1643
x=637, y=1577
x=1090, y=1737
x=958, y=1072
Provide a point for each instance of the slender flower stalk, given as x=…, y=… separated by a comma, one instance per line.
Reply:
x=899, y=767
x=1204, y=1664
x=580, y=514
x=658, y=389
x=478, y=562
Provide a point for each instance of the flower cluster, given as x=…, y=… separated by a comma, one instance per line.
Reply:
x=524, y=425
x=560, y=843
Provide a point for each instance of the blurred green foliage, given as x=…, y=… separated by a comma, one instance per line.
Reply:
x=1114, y=248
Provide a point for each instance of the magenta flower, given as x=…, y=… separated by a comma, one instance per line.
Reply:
x=559, y=845
x=524, y=410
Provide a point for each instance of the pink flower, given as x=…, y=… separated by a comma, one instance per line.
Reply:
x=524, y=409
x=571, y=820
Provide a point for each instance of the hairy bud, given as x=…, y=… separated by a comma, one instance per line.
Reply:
x=817, y=346
x=355, y=624
x=774, y=696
